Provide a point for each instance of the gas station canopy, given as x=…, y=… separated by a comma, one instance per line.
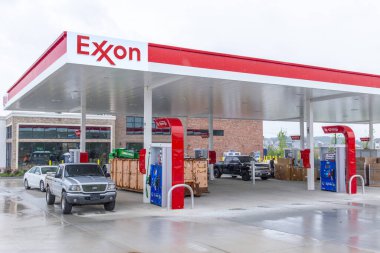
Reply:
x=113, y=73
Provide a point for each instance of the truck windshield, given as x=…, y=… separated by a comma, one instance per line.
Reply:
x=78, y=170
x=45, y=170
x=245, y=159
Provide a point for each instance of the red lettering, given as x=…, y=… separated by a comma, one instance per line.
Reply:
x=103, y=53
x=131, y=50
x=116, y=52
x=119, y=51
x=80, y=44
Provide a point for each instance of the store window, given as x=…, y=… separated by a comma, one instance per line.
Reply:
x=51, y=133
x=8, y=156
x=135, y=126
x=200, y=132
x=38, y=133
x=25, y=132
x=98, y=151
x=135, y=146
x=61, y=132
x=9, y=132
x=40, y=153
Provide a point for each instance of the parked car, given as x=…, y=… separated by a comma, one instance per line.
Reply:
x=36, y=176
x=240, y=166
x=80, y=184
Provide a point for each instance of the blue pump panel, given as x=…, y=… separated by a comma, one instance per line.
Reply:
x=156, y=184
x=328, y=176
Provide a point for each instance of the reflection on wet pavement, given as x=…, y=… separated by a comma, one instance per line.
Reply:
x=324, y=223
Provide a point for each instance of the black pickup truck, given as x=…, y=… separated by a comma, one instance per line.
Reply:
x=240, y=166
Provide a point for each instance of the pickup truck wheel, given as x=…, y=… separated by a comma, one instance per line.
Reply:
x=42, y=186
x=50, y=198
x=109, y=206
x=217, y=173
x=26, y=185
x=246, y=176
x=264, y=178
x=65, y=206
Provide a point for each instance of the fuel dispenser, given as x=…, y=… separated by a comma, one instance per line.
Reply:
x=160, y=172
x=345, y=168
x=333, y=168
x=293, y=153
x=163, y=165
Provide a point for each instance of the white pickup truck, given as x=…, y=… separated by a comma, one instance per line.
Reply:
x=80, y=184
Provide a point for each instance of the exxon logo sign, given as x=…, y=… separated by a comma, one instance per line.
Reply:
x=106, y=51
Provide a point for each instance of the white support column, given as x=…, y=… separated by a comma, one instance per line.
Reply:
x=310, y=142
x=302, y=131
x=147, y=137
x=211, y=131
x=83, y=121
x=371, y=143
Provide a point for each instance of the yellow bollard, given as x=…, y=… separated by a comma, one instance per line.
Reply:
x=49, y=162
x=98, y=161
x=62, y=161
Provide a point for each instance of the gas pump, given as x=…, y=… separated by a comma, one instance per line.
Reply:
x=350, y=159
x=165, y=166
x=292, y=153
x=333, y=168
x=160, y=172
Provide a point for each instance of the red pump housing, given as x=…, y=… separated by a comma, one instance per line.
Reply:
x=350, y=152
x=177, y=158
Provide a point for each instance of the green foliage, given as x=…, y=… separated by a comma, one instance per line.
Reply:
x=16, y=173
x=281, y=136
x=278, y=152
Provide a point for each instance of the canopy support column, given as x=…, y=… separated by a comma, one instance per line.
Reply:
x=211, y=131
x=371, y=140
x=371, y=143
x=83, y=122
x=310, y=142
x=147, y=136
x=302, y=131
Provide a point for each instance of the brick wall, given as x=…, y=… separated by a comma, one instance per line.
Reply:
x=245, y=136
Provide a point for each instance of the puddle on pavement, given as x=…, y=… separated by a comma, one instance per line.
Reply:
x=237, y=209
x=11, y=205
x=357, y=204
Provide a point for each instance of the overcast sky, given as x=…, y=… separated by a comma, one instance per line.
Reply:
x=342, y=34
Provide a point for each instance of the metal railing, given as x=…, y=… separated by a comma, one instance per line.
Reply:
x=350, y=182
x=169, y=205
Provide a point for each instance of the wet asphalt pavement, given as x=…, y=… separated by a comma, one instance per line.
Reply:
x=271, y=216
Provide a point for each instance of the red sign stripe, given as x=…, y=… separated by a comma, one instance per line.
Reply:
x=217, y=61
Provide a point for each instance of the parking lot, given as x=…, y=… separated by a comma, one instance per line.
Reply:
x=270, y=216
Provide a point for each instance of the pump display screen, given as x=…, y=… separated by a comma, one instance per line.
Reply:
x=329, y=157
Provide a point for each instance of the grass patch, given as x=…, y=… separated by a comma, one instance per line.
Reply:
x=16, y=173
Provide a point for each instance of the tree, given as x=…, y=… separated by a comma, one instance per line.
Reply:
x=281, y=136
